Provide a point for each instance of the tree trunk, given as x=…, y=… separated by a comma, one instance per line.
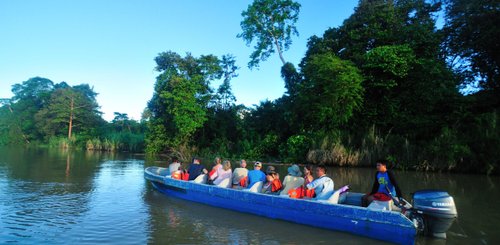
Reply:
x=70, y=118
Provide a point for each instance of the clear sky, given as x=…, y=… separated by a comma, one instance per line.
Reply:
x=111, y=44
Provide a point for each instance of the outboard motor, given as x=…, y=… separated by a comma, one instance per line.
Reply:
x=433, y=212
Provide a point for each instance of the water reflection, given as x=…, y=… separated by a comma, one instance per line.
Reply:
x=63, y=197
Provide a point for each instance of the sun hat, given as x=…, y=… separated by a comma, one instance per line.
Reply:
x=270, y=170
x=294, y=170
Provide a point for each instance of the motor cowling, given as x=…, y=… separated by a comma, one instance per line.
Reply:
x=434, y=211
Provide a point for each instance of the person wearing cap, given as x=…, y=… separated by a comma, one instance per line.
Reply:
x=239, y=174
x=293, y=179
x=384, y=187
x=195, y=169
x=322, y=185
x=273, y=184
x=255, y=175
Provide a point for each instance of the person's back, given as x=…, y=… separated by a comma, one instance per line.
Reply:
x=195, y=169
x=239, y=173
x=174, y=166
x=256, y=175
x=323, y=185
x=223, y=172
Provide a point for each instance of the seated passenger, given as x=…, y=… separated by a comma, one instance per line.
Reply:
x=308, y=174
x=239, y=173
x=273, y=183
x=223, y=173
x=384, y=186
x=195, y=169
x=292, y=180
x=174, y=166
x=255, y=175
x=212, y=175
x=323, y=185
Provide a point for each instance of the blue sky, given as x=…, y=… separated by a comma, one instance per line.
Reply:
x=111, y=45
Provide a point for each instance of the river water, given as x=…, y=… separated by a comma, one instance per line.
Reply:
x=59, y=197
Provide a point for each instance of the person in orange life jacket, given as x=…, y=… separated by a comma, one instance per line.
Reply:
x=384, y=186
x=174, y=166
x=255, y=175
x=195, y=169
x=273, y=184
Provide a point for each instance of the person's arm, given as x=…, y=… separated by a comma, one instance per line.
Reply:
x=394, y=183
x=315, y=183
x=375, y=185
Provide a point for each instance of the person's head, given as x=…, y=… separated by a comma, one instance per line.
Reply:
x=257, y=165
x=381, y=165
x=217, y=160
x=269, y=177
x=270, y=169
x=175, y=159
x=320, y=170
x=196, y=160
x=243, y=163
x=226, y=165
x=294, y=170
x=308, y=170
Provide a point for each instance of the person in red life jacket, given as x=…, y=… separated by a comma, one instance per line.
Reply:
x=273, y=184
x=213, y=174
x=240, y=174
x=384, y=186
x=195, y=169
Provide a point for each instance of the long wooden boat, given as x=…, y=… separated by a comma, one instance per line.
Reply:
x=382, y=225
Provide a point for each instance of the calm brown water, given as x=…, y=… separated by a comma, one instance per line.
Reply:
x=57, y=197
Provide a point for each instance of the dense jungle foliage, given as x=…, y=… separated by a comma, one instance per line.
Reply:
x=386, y=83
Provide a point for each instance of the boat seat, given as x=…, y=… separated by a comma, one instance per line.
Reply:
x=257, y=187
x=201, y=179
x=291, y=182
x=381, y=205
x=226, y=183
x=338, y=196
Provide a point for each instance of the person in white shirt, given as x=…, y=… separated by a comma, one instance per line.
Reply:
x=322, y=185
x=174, y=166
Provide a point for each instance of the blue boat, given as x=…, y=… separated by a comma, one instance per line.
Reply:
x=378, y=224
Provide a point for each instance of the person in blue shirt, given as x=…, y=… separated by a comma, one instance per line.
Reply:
x=322, y=185
x=384, y=187
x=255, y=175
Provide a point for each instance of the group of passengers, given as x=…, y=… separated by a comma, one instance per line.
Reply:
x=258, y=180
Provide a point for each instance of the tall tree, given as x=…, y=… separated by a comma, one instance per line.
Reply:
x=180, y=100
x=397, y=48
x=67, y=109
x=29, y=97
x=330, y=93
x=272, y=24
x=472, y=31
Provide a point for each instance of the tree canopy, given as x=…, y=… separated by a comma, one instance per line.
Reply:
x=272, y=24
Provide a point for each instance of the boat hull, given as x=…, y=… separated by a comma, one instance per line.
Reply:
x=382, y=225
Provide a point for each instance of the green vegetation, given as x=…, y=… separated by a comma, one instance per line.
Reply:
x=385, y=83
x=59, y=115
